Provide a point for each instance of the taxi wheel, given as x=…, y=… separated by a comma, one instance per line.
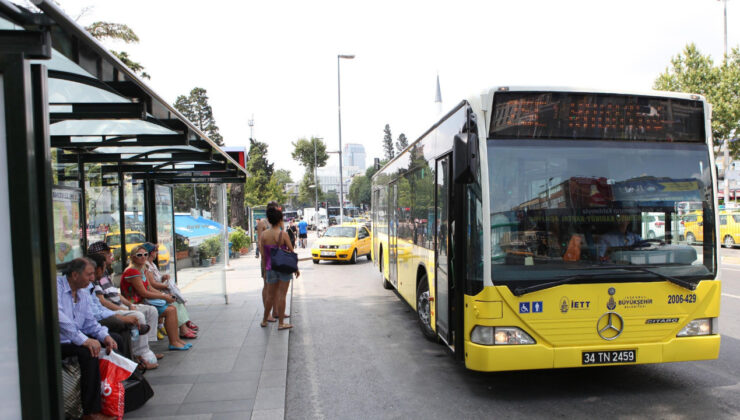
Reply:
x=729, y=242
x=690, y=238
x=353, y=260
x=424, y=309
x=315, y=261
x=369, y=256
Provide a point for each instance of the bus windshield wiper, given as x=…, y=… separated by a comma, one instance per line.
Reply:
x=524, y=290
x=519, y=291
x=679, y=282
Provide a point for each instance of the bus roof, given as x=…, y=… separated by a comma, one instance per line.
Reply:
x=658, y=93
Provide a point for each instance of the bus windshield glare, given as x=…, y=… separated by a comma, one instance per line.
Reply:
x=560, y=207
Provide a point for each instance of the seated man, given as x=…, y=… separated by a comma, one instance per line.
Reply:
x=619, y=238
x=80, y=334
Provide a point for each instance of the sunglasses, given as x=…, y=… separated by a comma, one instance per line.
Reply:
x=146, y=254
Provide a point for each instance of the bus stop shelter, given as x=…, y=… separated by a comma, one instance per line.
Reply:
x=88, y=152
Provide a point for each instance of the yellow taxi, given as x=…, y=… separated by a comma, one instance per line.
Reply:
x=345, y=242
x=135, y=238
x=729, y=228
x=693, y=224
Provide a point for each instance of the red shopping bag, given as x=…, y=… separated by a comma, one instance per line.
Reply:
x=114, y=369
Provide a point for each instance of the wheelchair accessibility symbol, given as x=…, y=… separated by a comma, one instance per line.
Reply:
x=524, y=307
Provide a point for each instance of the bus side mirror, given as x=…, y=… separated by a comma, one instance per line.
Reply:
x=465, y=156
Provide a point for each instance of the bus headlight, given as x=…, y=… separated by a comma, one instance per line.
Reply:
x=499, y=335
x=702, y=326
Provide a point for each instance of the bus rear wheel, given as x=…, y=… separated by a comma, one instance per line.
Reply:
x=424, y=309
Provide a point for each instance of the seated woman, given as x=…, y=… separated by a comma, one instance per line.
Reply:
x=162, y=283
x=140, y=346
x=136, y=288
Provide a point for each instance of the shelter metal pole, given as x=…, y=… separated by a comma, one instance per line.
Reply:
x=225, y=235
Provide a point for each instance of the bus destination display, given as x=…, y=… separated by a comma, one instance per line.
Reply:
x=556, y=115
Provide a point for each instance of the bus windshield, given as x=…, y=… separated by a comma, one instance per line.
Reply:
x=561, y=206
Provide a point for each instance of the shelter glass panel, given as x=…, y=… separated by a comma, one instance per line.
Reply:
x=64, y=173
x=134, y=213
x=165, y=229
x=103, y=211
x=67, y=228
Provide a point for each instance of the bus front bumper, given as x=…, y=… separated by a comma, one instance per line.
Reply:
x=538, y=356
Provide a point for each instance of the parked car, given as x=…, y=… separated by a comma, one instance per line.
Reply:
x=655, y=226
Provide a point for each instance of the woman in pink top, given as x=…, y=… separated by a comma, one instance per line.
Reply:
x=277, y=282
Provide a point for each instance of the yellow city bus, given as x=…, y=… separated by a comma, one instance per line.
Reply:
x=529, y=249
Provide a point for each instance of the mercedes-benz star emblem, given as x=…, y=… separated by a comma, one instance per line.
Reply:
x=610, y=326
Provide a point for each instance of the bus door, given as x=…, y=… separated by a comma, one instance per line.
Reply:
x=442, y=246
x=392, y=235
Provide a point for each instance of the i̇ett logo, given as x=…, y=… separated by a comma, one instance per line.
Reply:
x=610, y=326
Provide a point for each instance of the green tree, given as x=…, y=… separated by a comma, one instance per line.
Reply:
x=359, y=191
x=195, y=107
x=402, y=143
x=260, y=187
x=282, y=177
x=388, y=142
x=306, y=194
x=332, y=198
x=118, y=32
x=303, y=152
x=692, y=72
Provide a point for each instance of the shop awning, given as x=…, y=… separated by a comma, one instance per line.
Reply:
x=196, y=229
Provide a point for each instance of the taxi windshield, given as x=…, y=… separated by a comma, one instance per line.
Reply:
x=560, y=206
x=340, y=232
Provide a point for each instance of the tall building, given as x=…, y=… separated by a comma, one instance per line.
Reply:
x=353, y=154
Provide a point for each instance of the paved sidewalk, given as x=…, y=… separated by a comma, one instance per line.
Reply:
x=236, y=369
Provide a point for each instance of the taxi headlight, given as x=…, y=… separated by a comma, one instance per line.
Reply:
x=499, y=336
x=345, y=246
x=702, y=326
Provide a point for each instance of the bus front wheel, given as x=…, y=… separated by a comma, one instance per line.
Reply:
x=424, y=309
x=386, y=283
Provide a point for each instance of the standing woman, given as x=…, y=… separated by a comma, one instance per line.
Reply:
x=135, y=287
x=162, y=283
x=277, y=282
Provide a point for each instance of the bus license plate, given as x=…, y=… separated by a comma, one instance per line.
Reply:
x=328, y=253
x=606, y=357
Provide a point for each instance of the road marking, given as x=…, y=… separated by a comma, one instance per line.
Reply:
x=731, y=269
x=732, y=296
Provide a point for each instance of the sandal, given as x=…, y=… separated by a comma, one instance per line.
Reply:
x=263, y=324
x=271, y=319
x=192, y=326
x=189, y=334
x=285, y=326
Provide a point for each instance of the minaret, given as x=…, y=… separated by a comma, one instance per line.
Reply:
x=438, y=97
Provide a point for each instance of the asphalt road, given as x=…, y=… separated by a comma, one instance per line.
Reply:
x=356, y=352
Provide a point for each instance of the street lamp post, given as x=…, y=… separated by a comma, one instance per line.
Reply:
x=315, y=177
x=339, y=110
